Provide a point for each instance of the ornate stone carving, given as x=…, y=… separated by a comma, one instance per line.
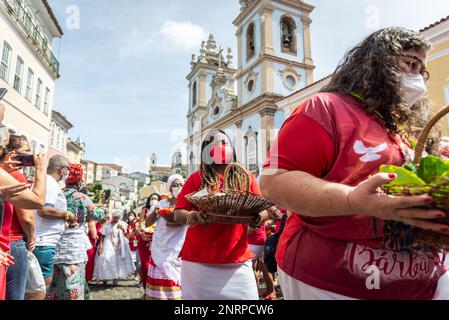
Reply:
x=290, y=77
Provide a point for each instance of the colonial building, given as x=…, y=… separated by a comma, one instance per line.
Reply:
x=162, y=173
x=438, y=67
x=109, y=170
x=90, y=171
x=438, y=85
x=75, y=150
x=59, y=131
x=28, y=68
x=125, y=187
x=143, y=179
x=274, y=60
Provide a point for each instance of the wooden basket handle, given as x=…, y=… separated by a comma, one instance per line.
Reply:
x=421, y=144
x=226, y=177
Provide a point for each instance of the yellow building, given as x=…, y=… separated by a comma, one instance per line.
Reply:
x=438, y=66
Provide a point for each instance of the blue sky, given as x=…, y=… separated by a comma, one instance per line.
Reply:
x=123, y=70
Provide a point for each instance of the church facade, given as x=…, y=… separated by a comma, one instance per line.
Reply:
x=274, y=60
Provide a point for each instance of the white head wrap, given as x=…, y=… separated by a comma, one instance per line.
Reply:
x=116, y=213
x=173, y=178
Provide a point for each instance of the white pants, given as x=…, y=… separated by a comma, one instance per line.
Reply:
x=294, y=289
x=218, y=281
x=257, y=250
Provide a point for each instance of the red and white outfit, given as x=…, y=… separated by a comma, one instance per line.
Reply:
x=164, y=273
x=331, y=137
x=216, y=259
x=256, y=240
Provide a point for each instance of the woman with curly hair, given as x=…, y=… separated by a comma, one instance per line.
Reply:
x=69, y=276
x=324, y=168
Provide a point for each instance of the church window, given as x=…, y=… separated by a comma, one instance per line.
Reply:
x=251, y=86
x=288, y=35
x=194, y=94
x=250, y=42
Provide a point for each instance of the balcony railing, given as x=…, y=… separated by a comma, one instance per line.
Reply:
x=40, y=43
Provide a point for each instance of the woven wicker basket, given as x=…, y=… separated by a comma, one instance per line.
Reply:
x=231, y=206
x=398, y=236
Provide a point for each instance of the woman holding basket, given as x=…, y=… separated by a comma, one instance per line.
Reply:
x=329, y=179
x=216, y=259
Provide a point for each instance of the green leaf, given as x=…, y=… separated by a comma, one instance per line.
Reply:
x=410, y=166
x=404, y=176
x=431, y=168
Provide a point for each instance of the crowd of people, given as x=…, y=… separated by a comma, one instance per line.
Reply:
x=318, y=247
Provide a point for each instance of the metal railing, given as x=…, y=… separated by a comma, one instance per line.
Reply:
x=32, y=31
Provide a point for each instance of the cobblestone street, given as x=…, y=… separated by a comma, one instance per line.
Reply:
x=125, y=290
x=130, y=290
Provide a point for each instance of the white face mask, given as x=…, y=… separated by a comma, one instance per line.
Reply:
x=413, y=88
x=176, y=192
x=65, y=176
x=153, y=203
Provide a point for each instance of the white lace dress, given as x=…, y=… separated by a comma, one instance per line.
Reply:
x=116, y=261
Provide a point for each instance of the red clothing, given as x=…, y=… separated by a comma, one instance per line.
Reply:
x=7, y=220
x=258, y=237
x=5, y=248
x=133, y=236
x=2, y=283
x=214, y=243
x=91, y=254
x=333, y=253
x=145, y=255
x=16, y=230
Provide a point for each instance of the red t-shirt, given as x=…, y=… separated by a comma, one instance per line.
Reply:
x=213, y=243
x=258, y=237
x=16, y=230
x=324, y=138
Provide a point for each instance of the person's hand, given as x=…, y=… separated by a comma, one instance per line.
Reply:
x=13, y=191
x=71, y=219
x=195, y=218
x=274, y=213
x=256, y=223
x=367, y=198
x=6, y=260
x=9, y=164
x=31, y=244
x=100, y=250
x=41, y=162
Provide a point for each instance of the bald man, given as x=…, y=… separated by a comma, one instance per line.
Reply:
x=50, y=220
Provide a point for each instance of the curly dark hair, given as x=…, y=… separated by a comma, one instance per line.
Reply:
x=370, y=69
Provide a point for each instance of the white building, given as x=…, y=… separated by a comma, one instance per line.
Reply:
x=59, y=134
x=28, y=68
x=274, y=60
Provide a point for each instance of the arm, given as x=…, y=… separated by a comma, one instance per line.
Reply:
x=92, y=229
x=151, y=219
x=100, y=245
x=53, y=213
x=26, y=222
x=26, y=199
x=142, y=218
x=304, y=193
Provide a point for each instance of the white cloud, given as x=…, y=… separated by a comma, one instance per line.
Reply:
x=183, y=35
